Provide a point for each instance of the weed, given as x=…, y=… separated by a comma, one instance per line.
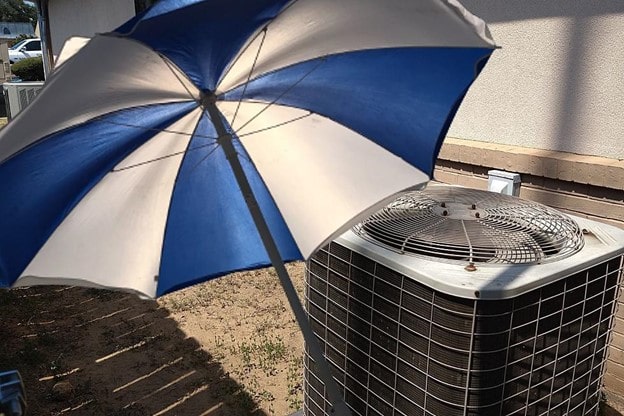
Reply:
x=245, y=350
x=242, y=402
x=178, y=304
x=261, y=351
x=266, y=395
x=294, y=379
x=219, y=343
x=271, y=351
x=56, y=366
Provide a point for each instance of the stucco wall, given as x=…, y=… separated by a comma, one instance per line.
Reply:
x=556, y=84
x=86, y=18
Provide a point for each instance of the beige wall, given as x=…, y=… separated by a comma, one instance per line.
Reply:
x=86, y=18
x=556, y=84
x=5, y=67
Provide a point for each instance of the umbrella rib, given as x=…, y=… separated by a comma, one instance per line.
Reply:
x=321, y=61
x=215, y=143
x=244, y=156
x=203, y=146
x=214, y=149
x=253, y=66
x=176, y=74
x=181, y=133
x=244, y=49
x=231, y=65
x=158, y=159
x=274, y=126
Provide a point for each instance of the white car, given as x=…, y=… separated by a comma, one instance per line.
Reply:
x=28, y=48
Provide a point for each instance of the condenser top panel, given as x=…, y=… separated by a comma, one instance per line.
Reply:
x=480, y=244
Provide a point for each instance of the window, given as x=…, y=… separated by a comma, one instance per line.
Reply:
x=18, y=45
x=6, y=31
x=33, y=46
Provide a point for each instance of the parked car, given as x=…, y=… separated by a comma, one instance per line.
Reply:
x=27, y=48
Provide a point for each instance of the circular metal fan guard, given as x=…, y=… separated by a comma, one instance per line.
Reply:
x=474, y=226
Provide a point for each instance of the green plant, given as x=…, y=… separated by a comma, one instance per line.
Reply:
x=19, y=38
x=271, y=352
x=18, y=11
x=29, y=69
x=295, y=386
x=57, y=366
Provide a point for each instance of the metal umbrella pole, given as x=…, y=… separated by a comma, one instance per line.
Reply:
x=225, y=140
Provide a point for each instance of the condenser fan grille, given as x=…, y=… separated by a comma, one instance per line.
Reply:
x=472, y=226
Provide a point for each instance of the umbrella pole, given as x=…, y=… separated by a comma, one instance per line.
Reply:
x=225, y=140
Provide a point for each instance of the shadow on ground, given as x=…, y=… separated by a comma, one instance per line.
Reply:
x=94, y=352
x=607, y=410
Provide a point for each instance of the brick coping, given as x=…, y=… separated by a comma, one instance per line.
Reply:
x=592, y=170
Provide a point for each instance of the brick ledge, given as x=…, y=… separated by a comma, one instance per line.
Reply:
x=592, y=170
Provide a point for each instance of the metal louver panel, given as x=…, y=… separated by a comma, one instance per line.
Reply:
x=399, y=347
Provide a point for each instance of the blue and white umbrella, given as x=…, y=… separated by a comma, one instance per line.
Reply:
x=127, y=170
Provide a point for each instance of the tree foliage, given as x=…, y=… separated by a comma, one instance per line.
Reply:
x=18, y=12
x=19, y=39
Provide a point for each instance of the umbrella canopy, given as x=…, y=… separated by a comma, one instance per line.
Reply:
x=115, y=176
x=208, y=136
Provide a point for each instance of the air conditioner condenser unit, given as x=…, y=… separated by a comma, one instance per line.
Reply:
x=453, y=301
x=18, y=95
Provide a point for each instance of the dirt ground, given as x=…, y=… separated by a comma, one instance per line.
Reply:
x=226, y=347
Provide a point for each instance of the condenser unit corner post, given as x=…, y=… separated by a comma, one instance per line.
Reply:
x=453, y=301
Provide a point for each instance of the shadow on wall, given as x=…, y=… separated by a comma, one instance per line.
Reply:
x=580, y=73
x=580, y=24
x=88, y=351
x=496, y=11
